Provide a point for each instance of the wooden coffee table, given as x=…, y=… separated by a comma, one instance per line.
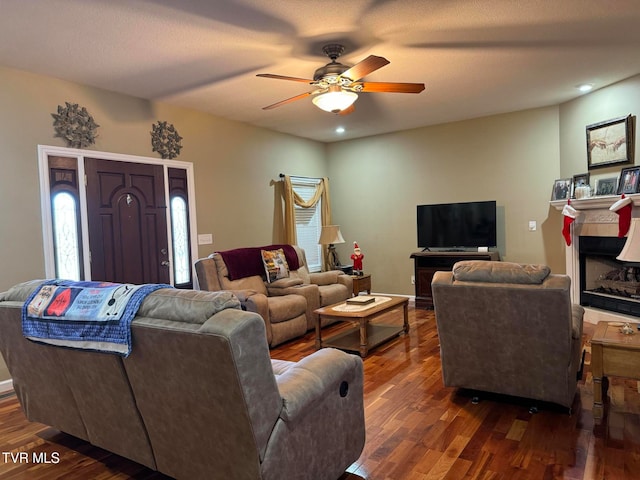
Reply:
x=365, y=335
x=612, y=354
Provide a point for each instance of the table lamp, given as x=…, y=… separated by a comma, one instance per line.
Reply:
x=631, y=250
x=631, y=253
x=330, y=235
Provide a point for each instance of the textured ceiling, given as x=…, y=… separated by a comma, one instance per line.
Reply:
x=476, y=58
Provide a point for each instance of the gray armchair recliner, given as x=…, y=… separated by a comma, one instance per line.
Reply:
x=332, y=286
x=284, y=314
x=509, y=329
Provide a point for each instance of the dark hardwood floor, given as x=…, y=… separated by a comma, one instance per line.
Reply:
x=416, y=428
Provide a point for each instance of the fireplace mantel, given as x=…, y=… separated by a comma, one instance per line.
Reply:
x=594, y=219
x=602, y=202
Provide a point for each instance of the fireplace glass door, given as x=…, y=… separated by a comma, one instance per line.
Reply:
x=606, y=282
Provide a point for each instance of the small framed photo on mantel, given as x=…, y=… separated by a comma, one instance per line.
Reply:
x=561, y=189
x=581, y=187
x=610, y=142
x=607, y=186
x=629, y=178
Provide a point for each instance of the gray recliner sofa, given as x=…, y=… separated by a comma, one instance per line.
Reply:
x=509, y=329
x=287, y=305
x=198, y=397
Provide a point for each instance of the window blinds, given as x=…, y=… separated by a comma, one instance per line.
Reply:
x=308, y=222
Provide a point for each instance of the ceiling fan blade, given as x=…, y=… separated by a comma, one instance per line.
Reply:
x=288, y=100
x=365, y=67
x=392, y=87
x=350, y=109
x=282, y=77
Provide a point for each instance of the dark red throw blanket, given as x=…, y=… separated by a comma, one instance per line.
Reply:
x=246, y=262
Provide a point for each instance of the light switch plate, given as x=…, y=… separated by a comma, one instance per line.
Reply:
x=533, y=226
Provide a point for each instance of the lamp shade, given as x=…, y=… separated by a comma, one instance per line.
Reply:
x=631, y=250
x=335, y=100
x=330, y=234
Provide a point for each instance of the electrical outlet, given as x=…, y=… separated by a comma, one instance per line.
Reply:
x=413, y=279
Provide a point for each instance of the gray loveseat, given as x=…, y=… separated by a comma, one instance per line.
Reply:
x=509, y=329
x=198, y=397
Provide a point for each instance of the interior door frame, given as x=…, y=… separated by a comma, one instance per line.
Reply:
x=44, y=151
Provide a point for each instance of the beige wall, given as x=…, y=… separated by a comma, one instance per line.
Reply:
x=618, y=100
x=512, y=158
x=378, y=181
x=225, y=155
x=234, y=165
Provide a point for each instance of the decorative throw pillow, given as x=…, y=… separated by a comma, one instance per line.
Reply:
x=275, y=264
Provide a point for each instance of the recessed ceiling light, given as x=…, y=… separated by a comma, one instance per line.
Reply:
x=585, y=87
x=340, y=130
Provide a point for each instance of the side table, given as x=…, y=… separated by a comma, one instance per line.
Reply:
x=612, y=353
x=361, y=283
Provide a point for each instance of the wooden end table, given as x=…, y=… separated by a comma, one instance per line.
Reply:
x=365, y=335
x=612, y=354
x=361, y=283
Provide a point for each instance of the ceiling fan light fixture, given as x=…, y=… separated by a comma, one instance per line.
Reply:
x=335, y=100
x=337, y=86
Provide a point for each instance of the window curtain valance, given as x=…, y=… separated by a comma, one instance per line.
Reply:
x=291, y=199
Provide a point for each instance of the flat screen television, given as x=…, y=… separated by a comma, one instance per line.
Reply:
x=457, y=225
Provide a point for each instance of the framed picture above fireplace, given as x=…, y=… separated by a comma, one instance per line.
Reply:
x=629, y=178
x=610, y=142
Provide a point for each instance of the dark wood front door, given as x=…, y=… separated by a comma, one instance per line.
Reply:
x=127, y=221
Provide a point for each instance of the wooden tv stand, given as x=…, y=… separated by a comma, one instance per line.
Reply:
x=426, y=264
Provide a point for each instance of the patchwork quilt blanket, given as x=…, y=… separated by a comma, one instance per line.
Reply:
x=86, y=315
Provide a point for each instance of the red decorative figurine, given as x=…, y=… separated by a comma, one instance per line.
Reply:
x=357, y=257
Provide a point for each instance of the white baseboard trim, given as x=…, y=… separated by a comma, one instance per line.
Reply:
x=412, y=298
x=382, y=294
x=6, y=386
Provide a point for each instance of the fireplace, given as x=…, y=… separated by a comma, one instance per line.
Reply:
x=592, y=255
x=607, y=283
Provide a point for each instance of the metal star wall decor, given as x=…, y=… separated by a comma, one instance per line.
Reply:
x=165, y=140
x=75, y=125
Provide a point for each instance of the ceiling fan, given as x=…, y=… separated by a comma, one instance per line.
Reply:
x=338, y=85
